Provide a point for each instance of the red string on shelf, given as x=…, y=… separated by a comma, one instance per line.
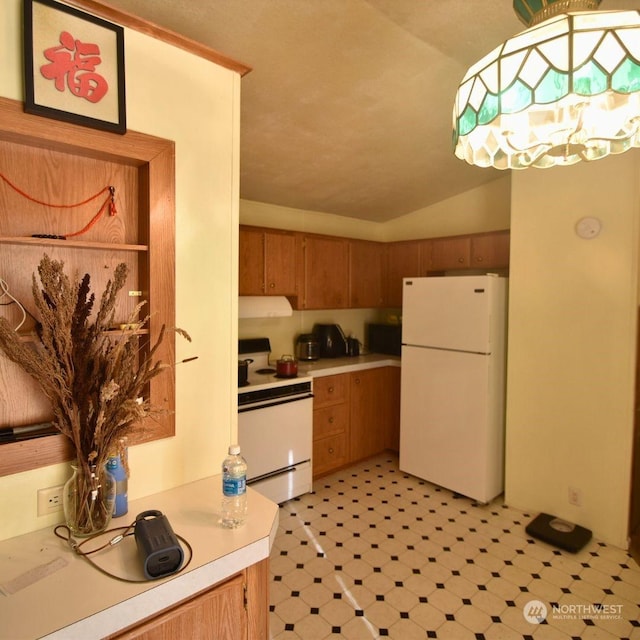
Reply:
x=109, y=203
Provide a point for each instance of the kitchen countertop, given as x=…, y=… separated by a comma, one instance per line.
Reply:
x=332, y=366
x=59, y=595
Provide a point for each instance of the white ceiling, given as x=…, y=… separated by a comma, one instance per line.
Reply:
x=348, y=107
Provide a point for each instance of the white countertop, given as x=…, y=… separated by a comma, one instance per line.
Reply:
x=72, y=600
x=332, y=366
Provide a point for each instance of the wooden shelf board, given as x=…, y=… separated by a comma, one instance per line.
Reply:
x=78, y=244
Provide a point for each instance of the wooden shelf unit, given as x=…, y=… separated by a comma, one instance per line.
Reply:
x=59, y=162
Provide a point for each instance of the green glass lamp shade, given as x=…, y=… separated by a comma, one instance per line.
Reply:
x=533, y=11
x=566, y=89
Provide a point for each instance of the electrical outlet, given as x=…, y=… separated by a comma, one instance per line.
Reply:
x=49, y=500
x=575, y=497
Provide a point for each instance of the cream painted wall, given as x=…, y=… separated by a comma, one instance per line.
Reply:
x=175, y=95
x=485, y=208
x=262, y=214
x=572, y=342
x=282, y=332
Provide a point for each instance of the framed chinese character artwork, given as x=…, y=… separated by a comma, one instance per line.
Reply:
x=74, y=66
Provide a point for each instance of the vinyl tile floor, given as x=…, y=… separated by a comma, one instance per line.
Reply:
x=373, y=552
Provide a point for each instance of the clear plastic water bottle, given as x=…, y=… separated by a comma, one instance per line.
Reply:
x=234, y=489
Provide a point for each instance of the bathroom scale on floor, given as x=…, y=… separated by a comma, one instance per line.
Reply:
x=559, y=533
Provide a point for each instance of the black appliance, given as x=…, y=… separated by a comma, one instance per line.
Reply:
x=333, y=343
x=384, y=338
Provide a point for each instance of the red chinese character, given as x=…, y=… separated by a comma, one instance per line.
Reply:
x=75, y=62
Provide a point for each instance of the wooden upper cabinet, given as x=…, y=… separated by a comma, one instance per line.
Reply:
x=330, y=272
x=280, y=263
x=366, y=275
x=447, y=254
x=325, y=272
x=251, y=267
x=267, y=262
x=403, y=261
x=490, y=250
x=477, y=251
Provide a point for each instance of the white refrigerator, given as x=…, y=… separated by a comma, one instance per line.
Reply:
x=453, y=382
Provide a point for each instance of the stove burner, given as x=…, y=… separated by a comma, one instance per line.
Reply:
x=265, y=371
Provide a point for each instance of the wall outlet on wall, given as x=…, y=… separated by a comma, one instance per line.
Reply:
x=575, y=497
x=49, y=500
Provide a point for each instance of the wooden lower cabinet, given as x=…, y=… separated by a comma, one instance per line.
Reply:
x=356, y=415
x=393, y=432
x=369, y=411
x=236, y=609
x=330, y=453
x=330, y=423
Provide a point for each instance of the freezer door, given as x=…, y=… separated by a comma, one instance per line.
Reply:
x=464, y=313
x=452, y=421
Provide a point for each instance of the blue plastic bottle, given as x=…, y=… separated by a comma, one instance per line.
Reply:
x=116, y=468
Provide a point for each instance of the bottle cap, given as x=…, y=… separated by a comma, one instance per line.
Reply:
x=234, y=449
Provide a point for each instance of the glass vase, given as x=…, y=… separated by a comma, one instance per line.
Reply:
x=88, y=498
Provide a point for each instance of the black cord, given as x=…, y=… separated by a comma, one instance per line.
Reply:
x=126, y=532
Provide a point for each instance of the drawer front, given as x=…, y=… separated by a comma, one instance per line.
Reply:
x=329, y=453
x=330, y=421
x=330, y=390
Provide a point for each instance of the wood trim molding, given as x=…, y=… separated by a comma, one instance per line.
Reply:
x=126, y=19
x=155, y=160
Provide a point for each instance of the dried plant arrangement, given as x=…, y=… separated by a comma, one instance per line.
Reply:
x=95, y=378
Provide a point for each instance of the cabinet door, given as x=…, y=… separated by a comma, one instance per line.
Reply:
x=326, y=272
x=329, y=421
x=369, y=410
x=330, y=390
x=450, y=253
x=490, y=250
x=403, y=261
x=217, y=613
x=365, y=274
x=280, y=263
x=329, y=454
x=392, y=427
x=251, y=267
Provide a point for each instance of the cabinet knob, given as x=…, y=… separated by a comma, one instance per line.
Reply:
x=331, y=420
x=272, y=285
x=460, y=260
x=479, y=259
x=330, y=389
x=357, y=380
x=330, y=449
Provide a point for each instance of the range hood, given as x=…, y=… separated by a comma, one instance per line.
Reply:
x=264, y=307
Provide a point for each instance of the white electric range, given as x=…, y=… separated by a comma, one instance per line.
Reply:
x=275, y=425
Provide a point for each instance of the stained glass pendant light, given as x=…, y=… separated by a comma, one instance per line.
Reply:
x=566, y=89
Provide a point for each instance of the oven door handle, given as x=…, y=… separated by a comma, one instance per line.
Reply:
x=275, y=474
x=266, y=405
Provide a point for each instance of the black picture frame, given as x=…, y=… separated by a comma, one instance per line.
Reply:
x=74, y=66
